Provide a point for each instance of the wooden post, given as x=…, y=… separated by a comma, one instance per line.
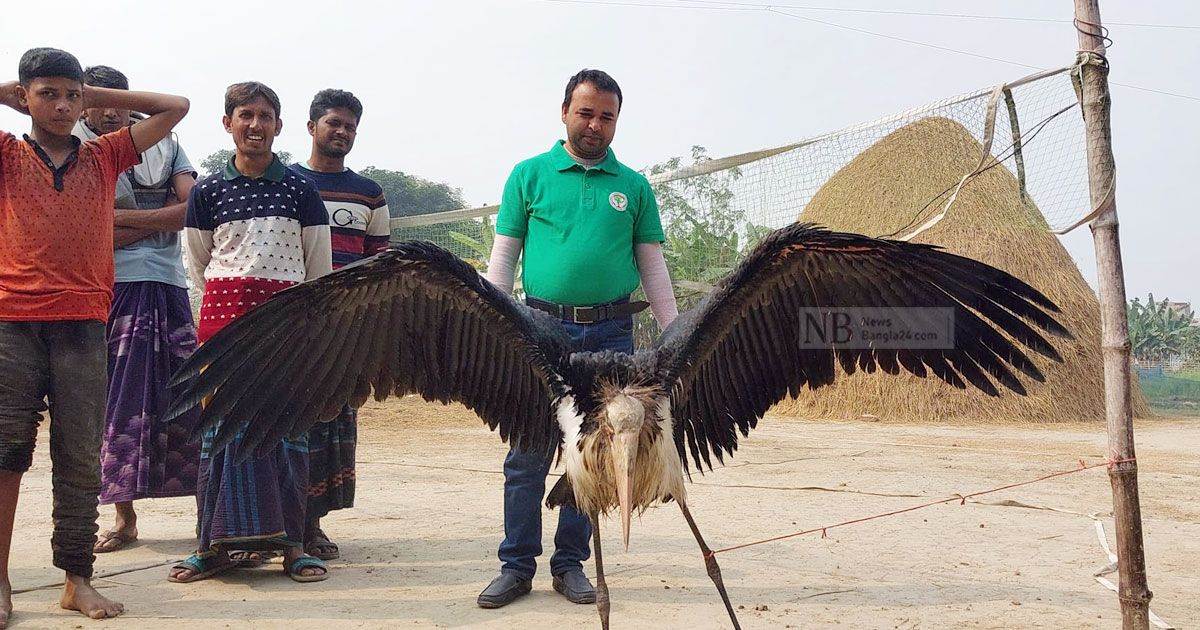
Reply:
x=1133, y=592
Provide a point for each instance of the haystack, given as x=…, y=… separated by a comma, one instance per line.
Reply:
x=879, y=192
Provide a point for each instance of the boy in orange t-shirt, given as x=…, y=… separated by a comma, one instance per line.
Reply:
x=56, y=278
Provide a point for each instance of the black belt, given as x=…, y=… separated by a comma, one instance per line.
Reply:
x=588, y=314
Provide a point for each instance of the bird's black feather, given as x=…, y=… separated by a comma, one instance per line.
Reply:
x=413, y=319
x=738, y=352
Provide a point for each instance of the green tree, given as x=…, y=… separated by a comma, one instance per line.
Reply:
x=217, y=160
x=706, y=233
x=1158, y=332
x=409, y=195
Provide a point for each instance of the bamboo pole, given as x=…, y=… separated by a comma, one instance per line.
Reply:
x=1133, y=592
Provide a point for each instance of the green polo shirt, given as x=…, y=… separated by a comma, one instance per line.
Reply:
x=579, y=226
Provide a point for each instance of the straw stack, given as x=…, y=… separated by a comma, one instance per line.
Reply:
x=880, y=191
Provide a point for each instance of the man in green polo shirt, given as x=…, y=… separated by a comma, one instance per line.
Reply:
x=590, y=231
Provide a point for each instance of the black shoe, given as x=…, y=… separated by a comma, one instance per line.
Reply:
x=575, y=586
x=504, y=590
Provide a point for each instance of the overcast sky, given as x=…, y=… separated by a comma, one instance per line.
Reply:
x=459, y=90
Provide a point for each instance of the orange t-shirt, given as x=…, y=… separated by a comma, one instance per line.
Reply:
x=56, y=229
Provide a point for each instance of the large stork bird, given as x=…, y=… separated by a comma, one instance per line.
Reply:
x=416, y=319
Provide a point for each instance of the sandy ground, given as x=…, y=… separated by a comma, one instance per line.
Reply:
x=422, y=541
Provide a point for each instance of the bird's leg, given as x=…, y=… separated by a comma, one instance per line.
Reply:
x=601, y=586
x=710, y=563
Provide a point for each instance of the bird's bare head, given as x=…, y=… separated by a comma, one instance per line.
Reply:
x=625, y=413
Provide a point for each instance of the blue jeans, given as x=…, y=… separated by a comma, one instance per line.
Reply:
x=525, y=481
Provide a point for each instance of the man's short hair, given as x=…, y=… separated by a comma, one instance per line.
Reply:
x=240, y=94
x=48, y=63
x=326, y=100
x=105, y=77
x=598, y=78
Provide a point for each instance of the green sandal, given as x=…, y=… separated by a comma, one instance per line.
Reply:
x=305, y=562
x=201, y=566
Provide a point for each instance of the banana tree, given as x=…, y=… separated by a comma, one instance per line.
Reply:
x=1158, y=332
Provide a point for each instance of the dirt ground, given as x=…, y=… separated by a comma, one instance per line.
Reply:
x=421, y=543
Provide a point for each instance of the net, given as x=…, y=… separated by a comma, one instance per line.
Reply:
x=715, y=209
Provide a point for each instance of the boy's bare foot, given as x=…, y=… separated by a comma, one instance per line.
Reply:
x=79, y=594
x=5, y=603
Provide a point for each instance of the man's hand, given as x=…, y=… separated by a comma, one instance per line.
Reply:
x=124, y=217
x=168, y=219
x=123, y=236
x=10, y=95
x=165, y=111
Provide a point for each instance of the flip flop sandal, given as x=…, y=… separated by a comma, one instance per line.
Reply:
x=201, y=567
x=251, y=559
x=321, y=547
x=293, y=570
x=122, y=540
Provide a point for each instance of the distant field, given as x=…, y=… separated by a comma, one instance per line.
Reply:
x=1177, y=392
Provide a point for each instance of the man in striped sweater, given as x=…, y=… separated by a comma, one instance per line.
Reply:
x=359, y=226
x=253, y=229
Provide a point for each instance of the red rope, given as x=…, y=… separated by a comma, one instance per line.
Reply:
x=961, y=498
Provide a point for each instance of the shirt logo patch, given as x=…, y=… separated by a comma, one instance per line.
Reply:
x=618, y=201
x=347, y=218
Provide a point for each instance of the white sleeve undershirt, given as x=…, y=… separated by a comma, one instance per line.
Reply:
x=656, y=281
x=502, y=268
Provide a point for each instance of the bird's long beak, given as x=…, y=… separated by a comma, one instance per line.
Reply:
x=625, y=447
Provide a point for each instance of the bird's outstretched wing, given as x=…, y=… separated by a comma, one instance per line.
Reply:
x=413, y=319
x=758, y=335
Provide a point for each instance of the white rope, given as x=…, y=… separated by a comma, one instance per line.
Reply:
x=1111, y=567
x=989, y=133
